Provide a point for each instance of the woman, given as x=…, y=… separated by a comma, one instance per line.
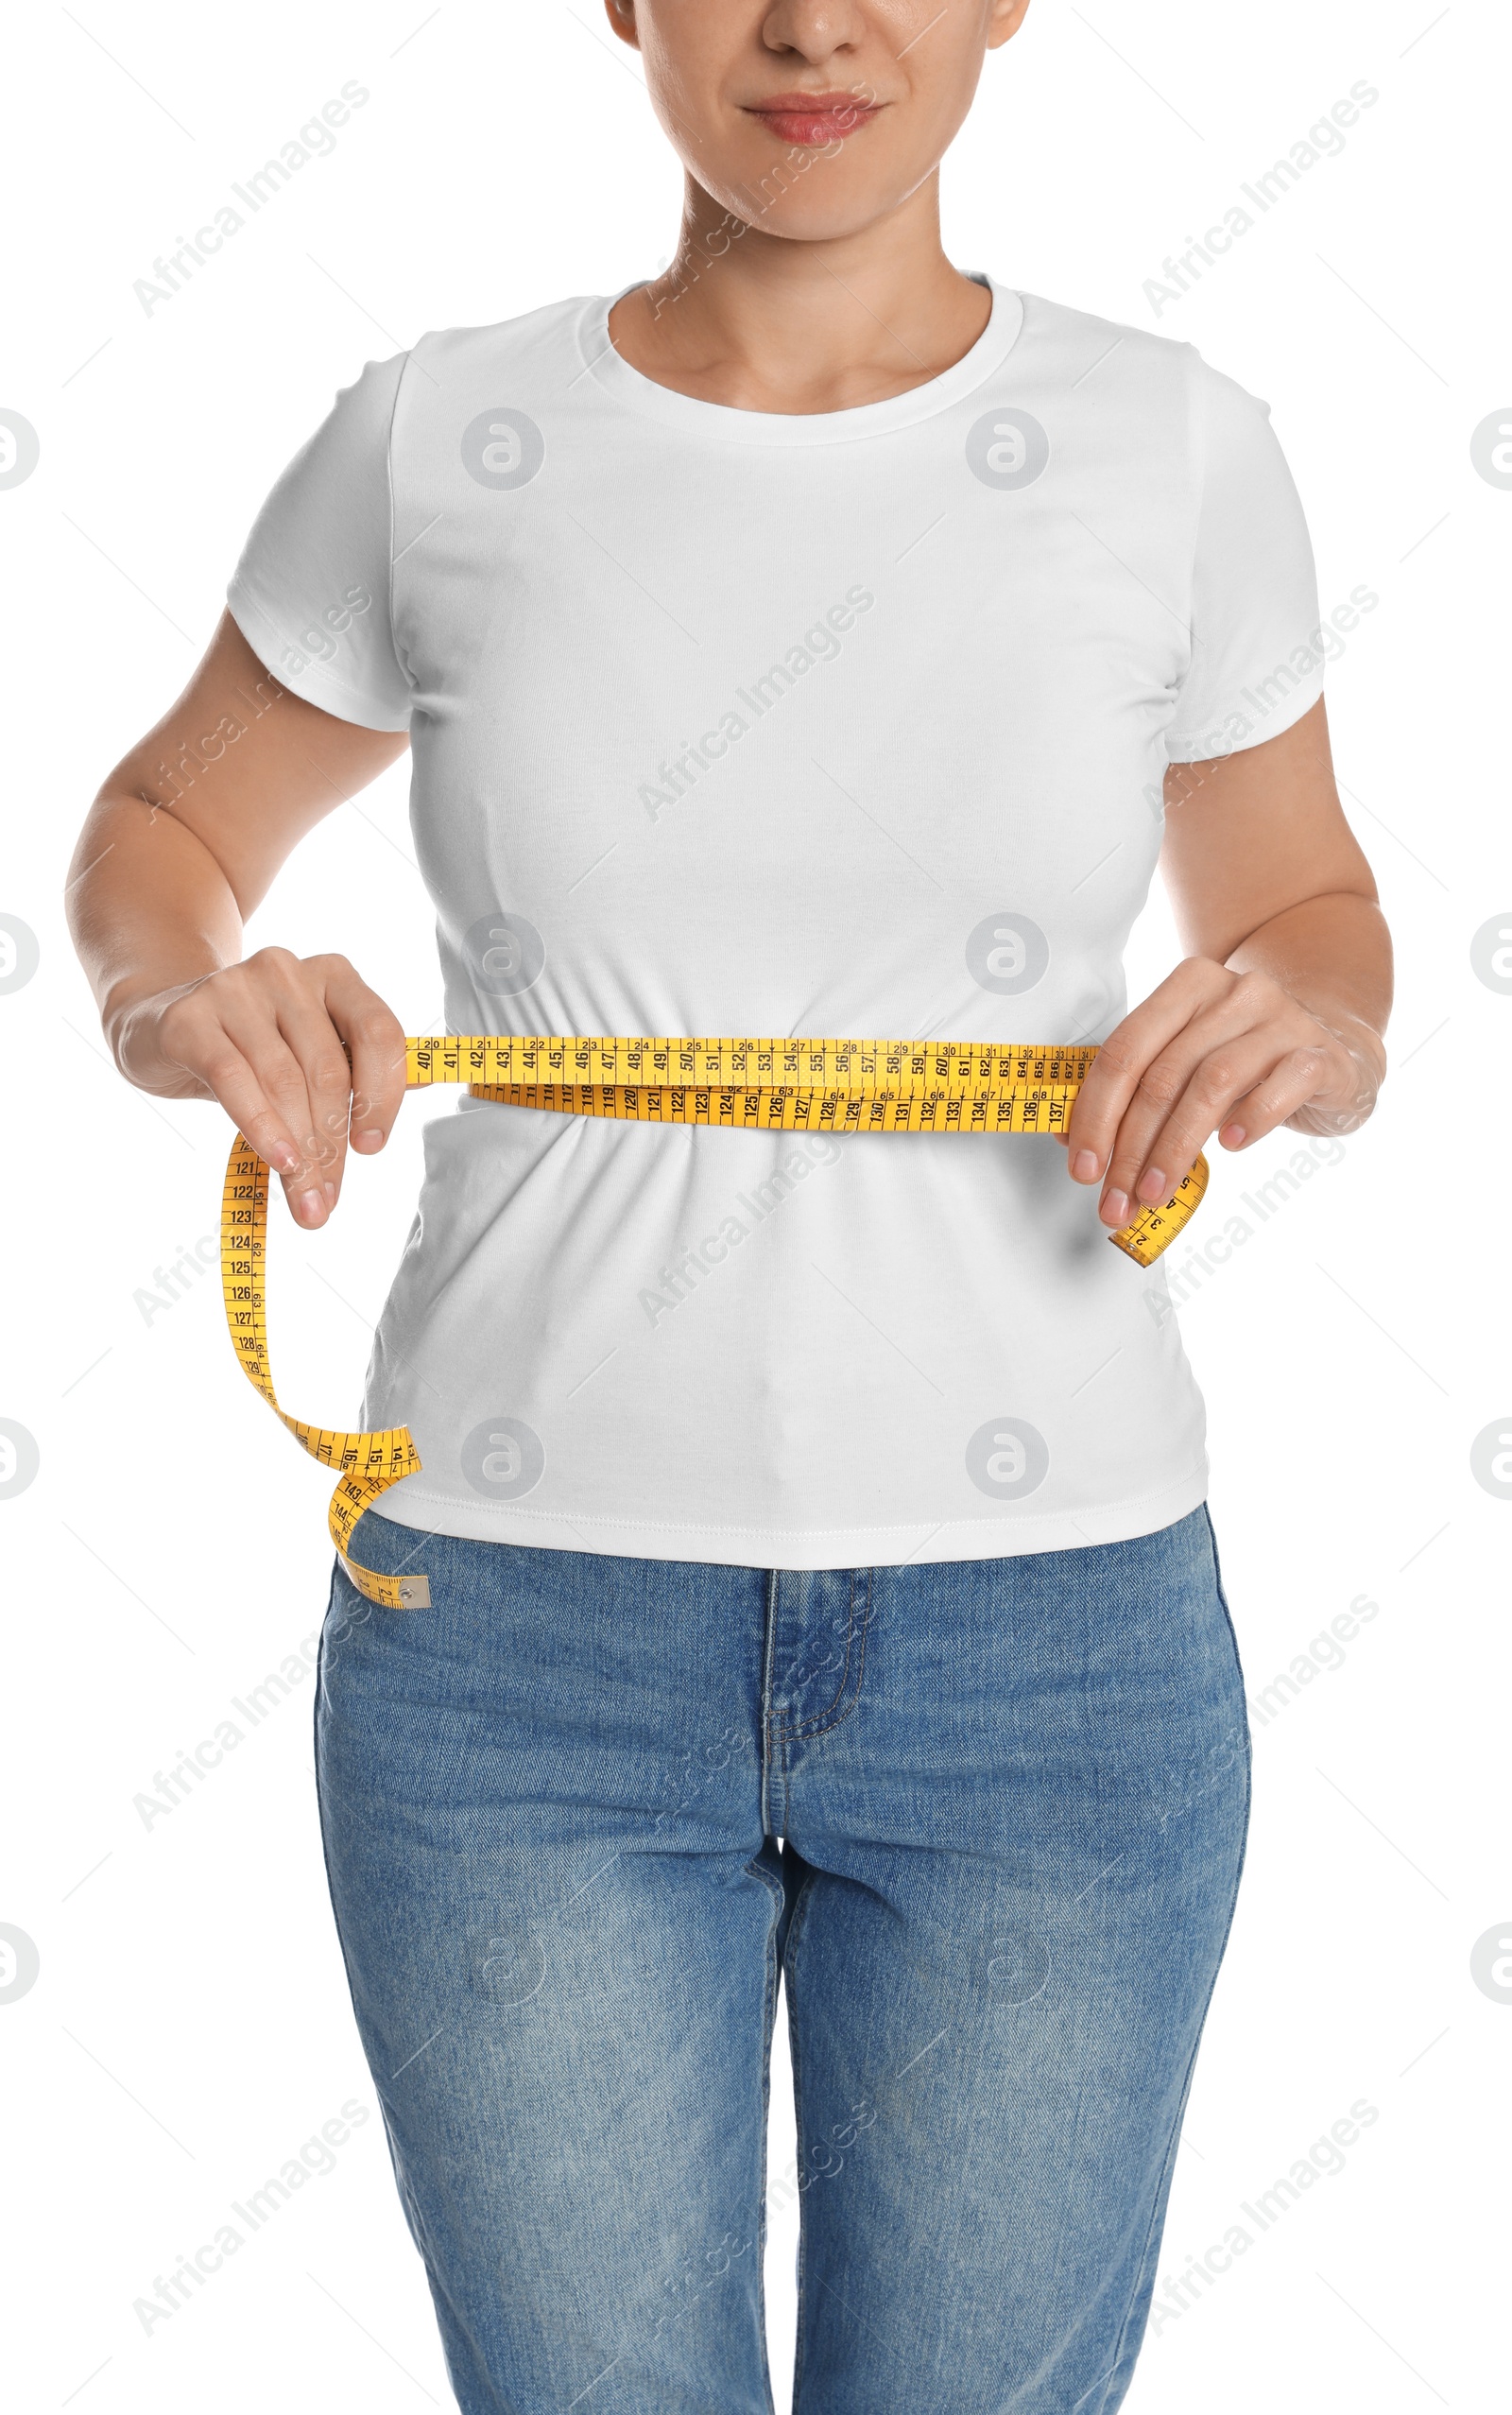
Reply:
x=820, y=1578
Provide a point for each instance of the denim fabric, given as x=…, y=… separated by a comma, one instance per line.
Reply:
x=1011, y=1798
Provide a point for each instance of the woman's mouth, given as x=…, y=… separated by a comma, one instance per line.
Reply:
x=814, y=119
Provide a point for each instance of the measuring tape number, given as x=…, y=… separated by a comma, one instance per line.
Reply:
x=730, y=1085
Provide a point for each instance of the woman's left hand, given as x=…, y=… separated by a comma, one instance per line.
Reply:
x=1211, y=1051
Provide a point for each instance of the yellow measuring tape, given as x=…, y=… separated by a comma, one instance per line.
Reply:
x=730, y=1085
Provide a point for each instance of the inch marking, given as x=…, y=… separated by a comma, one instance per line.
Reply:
x=781, y=1084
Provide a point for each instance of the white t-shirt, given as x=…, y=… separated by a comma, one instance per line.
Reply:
x=848, y=725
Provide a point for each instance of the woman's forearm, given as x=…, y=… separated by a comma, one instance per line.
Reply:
x=170, y=865
x=297, y=1050
x=150, y=910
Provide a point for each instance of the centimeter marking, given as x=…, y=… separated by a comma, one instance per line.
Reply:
x=887, y=1070
x=784, y=1084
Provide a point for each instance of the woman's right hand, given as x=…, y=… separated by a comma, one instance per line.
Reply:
x=301, y=1053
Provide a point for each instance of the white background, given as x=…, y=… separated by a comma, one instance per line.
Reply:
x=190, y=2026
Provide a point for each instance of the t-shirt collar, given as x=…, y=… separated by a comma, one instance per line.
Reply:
x=720, y=424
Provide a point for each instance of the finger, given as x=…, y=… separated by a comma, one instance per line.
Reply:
x=1300, y=1077
x=314, y=1045
x=214, y=1059
x=1124, y=1057
x=376, y=1039
x=280, y=1076
x=1152, y=1098
x=1154, y=1149
x=1232, y=1019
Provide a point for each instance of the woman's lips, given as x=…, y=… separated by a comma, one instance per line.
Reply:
x=814, y=119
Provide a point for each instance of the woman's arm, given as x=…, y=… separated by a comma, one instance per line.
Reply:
x=1276, y=1014
x=182, y=843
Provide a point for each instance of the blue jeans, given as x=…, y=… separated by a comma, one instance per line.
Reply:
x=1011, y=1797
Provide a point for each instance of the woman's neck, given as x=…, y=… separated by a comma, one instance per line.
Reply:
x=763, y=323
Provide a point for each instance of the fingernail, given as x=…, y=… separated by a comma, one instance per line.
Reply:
x=1151, y=1184
x=1232, y=1135
x=310, y=1207
x=331, y=1195
x=366, y=1140
x=1084, y=1166
x=285, y=1158
x=1115, y=1208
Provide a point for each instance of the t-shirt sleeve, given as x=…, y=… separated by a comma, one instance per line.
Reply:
x=1257, y=646
x=312, y=593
